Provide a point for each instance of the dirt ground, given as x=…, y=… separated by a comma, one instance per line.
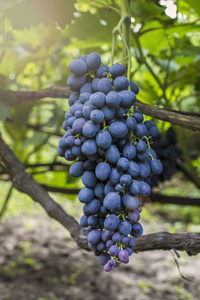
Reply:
x=39, y=260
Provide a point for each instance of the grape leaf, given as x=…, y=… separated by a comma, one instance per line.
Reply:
x=185, y=5
x=33, y=12
x=145, y=9
x=93, y=30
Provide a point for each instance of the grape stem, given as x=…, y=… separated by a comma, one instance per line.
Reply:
x=118, y=30
x=108, y=6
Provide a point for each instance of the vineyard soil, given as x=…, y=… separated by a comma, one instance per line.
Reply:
x=38, y=260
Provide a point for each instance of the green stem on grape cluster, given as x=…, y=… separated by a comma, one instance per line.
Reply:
x=123, y=29
x=108, y=6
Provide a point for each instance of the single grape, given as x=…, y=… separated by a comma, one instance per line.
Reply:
x=97, y=116
x=156, y=166
x=108, y=268
x=99, y=190
x=125, y=227
x=104, y=85
x=123, y=256
x=133, y=169
x=128, y=98
x=89, y=179
x=85, y=195
x=103, y=139
x=138, y=117
x=93, y=206
x=112, y=154
x=109, y=187
x=89, y=147
x=109, y=112
x=118, y=130
x=111, y=222
x=83, y=221
x=95, y=84
x=134, y=87
x=114, y=250
x=73, y=98
x=92, y=221
x=102, y=171
x=115, y=176
x=145, y=189
x=129, y=151
x=116, y=237
x=126, y=179
x=75, y=82
x=93, y=61
x=117, y=70
x=112, y=201
x=135, y=188
x=101, y=246
x=134, y=216
x=78, y=125
x=113, y=99
x=121, y=83
x=94, y=236
x=123, y=164
x=98, y=99
x=78, y=67
x=84, y=96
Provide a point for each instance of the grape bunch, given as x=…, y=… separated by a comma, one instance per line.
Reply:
x=168, y=152
x=107, y=137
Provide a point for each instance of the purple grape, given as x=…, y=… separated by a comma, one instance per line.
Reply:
x=114, y=250
x=112, y=201
x=104, y=85
x=125, y=227
x=78, y=67
x=104, y=258
x=102, y=171
x=111, y=222
x=112, y=154
x=113, y=99
x=123, y=256
x=118, y=130
x=93, y=61
x=121, y=83
x=108, y=268
x=94, y=236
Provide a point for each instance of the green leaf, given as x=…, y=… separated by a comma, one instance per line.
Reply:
x=37, y=139
x=185, y=5
x=5, y=111
x=31, y=13
x=93, y=30
x=189, y=50
x=154, y=41
x=145, y=9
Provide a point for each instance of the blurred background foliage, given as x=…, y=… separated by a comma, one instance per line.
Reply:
x=38, y=39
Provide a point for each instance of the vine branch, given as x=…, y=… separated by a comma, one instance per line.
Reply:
x=186, y=120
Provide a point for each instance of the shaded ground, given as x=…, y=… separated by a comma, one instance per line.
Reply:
x=38, y=260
